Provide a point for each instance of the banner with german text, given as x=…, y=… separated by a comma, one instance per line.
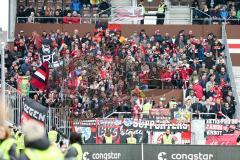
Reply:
x=33, y=111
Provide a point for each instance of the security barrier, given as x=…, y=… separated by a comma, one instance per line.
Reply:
x=55, y=116
x=159, y=152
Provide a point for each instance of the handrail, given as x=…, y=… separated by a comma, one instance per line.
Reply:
x=129, y=113
x=109, y=18
x=110, y=8
x=229, y=69
x=200, y=11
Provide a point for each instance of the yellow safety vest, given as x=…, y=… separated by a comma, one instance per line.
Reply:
x=238, y=143
x=5, y=146
x=52, y=136
x=52, y=153
x=171, y=104
x=167, y=139
x=161, y=8
x=20, y=142
x=79, y=150
x=108, y=139
x=131, y=140
x=146, y=108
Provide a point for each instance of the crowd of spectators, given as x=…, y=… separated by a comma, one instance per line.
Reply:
x=113, y=70
x=216, y=12
x=69, y=14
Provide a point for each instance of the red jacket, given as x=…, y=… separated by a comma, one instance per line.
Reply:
x=75, y=20
x=198, y=90
x=165, y=75
x=144, y=78
x=184, y=74
x=67, y=20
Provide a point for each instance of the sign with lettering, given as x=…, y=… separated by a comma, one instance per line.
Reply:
x=33, y=111
x=220, y=127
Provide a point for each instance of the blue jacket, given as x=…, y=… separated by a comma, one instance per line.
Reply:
x=76, y=5
x=224, y=14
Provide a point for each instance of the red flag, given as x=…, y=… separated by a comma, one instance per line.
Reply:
x=40, y=78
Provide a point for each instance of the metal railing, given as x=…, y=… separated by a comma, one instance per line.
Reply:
x=144, y=114
x=194, y=9
x=229, y=70
x=94, y=20
x=56, y=116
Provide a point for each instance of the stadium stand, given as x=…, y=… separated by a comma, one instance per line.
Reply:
x=93, y=67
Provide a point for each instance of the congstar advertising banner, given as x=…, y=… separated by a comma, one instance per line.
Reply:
x=159, y=152
x=191, y=152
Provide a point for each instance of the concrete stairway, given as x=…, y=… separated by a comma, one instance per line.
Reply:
x=178, y=15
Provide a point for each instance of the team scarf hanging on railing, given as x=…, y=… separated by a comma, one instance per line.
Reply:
x=33, y=110
x=40, y=78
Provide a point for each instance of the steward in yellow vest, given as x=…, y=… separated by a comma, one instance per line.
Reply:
x=161, y=8
x=20, y=141
x=167, y=138
x=108, y=138
x=131, y=139
x=75, y=149
x=37, y=144
x=51, y=152
x=53, y=135
x=146, y=108
x=161, y=13
x=8, y=145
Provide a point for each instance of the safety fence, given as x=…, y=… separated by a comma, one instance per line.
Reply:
x=55, y=116
x=160, y=152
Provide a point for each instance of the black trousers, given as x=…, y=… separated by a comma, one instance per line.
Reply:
x=160, y=18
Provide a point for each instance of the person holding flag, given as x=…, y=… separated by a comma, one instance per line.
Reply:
x=39, y=79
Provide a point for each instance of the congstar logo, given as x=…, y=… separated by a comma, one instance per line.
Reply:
x=185, y=156
x=85, y=154
x=161, y=156
x=102, y=156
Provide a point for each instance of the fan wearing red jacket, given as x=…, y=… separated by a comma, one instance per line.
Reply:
x=198, y=89
x=144, y=80
x=165, y=75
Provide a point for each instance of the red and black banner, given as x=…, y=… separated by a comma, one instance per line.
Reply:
x=33, y=111
x=40, y=78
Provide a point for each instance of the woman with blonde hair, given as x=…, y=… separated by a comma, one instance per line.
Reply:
x=7, y=145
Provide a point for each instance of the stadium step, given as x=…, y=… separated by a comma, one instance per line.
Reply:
x=178, y=15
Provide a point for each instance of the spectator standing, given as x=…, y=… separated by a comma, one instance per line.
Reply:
x=161, y=12
x=76, y=6
x=167, y=138
x=37, y=144
x=75, y=149
x=8, y=146
x=131, y=139
x=224, y=14
x=198, y=89
x=108, y=138
x=53, y=135
x=29, y=10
